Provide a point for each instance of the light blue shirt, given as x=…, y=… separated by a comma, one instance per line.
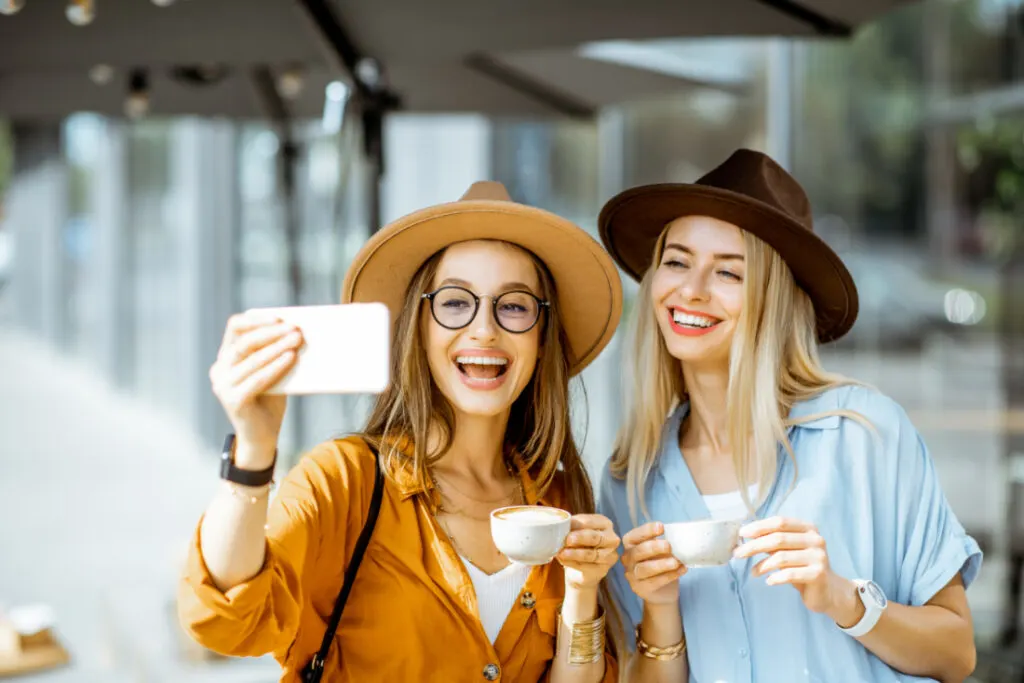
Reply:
x=878, y=504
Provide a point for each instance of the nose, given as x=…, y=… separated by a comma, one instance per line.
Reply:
x=483, y=327
x=694, y=286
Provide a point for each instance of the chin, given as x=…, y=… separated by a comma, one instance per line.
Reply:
x=480, y=408
x=482, y=402
x=708, y=359
x=697, y=351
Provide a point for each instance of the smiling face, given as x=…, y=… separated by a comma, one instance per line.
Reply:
x=481, y=368
x=697, y=289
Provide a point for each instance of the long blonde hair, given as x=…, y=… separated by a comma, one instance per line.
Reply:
x=773, y=365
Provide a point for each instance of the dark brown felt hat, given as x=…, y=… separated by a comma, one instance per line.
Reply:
x=753, y=192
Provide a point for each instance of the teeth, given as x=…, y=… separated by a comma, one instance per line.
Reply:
x=481, y=360
x=692, y=320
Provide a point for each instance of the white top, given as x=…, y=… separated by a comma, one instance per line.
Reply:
x=496, y=593
x=729, y=505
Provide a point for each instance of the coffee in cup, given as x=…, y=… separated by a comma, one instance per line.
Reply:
x=703, y=543
x=530, y=534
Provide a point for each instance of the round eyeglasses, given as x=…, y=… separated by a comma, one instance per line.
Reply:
x=455, y=307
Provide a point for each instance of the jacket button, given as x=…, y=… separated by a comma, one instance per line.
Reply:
x=527, y=600
x=491, y=672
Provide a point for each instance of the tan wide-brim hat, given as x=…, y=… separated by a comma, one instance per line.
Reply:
x=587, y=283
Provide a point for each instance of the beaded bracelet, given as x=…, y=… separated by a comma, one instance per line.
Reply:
x=248, y=493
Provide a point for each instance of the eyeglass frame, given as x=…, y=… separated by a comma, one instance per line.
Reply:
x=544, y=306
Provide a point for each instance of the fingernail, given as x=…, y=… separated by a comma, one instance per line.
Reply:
x=573, y=539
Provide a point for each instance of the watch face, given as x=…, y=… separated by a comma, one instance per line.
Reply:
x=871, y=589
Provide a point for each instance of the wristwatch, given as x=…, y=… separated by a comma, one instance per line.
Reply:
x=234, y=474
x=874, y=601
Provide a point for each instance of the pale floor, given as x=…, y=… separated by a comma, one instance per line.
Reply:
x=98, y=500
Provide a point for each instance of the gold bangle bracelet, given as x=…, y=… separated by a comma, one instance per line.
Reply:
x=586, y=640
x=662, y=654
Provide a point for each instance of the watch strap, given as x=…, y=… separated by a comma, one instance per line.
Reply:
x=236, y=475
x=872, y=612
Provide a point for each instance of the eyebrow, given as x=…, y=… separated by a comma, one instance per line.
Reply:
x=718, y=257
x=507, y=287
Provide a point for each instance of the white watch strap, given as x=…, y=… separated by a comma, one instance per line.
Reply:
x=872, y=613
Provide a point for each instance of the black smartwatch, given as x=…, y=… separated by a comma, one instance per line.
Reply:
x=229, y=472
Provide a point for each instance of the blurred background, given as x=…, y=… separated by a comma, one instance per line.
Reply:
x=194, y=165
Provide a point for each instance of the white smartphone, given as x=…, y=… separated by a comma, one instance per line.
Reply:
x=346, y=349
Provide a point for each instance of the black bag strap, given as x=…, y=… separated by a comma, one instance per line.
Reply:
x=315, y=667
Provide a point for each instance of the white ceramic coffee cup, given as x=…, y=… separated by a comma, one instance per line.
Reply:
x=703, y=543
x=530, y=534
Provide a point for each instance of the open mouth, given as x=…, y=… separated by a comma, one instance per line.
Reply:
x=693, y=321
x=482, y=367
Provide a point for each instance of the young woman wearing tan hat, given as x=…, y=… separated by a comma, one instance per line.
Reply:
x=496, y=305
x=852, y=566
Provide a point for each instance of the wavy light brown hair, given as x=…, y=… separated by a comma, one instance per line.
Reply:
x=539, y=430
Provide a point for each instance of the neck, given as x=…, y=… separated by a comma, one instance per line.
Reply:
x=708, y=388
x=477, y=448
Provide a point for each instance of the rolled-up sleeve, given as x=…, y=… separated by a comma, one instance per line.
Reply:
x=262, y=615
x=933, y=544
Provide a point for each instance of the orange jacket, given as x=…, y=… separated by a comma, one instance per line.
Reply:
x=412, y=613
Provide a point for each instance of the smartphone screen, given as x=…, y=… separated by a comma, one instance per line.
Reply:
x=346, y=349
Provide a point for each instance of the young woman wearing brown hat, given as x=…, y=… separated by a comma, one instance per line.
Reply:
x=496, y=305
x=852, y=567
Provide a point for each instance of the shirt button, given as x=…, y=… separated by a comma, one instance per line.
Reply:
x=527, y=600
x=743, y=652
x=491, y=672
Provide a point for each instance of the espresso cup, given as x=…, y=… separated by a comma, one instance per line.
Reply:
x=530, y=534
x=703, y=543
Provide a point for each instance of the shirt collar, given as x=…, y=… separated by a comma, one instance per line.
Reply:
x=400, y=469
x=825, y=402
x=670, y=434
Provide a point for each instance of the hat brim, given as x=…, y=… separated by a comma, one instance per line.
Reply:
x=631, y=222
x=587, y=283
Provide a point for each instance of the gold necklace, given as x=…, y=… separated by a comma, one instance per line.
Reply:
x=441, y=508
x=460, y=551
x=447, y=484
x=519, y=493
